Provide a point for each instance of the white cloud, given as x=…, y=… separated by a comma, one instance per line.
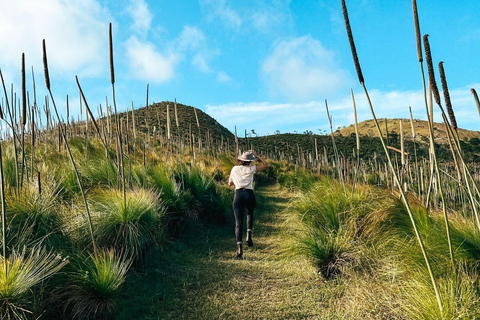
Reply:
x=199, y=60
x=76, y=35
x=192, y=42
x=141, y=16
x=147, y=64
x=223, y=77
x=270, y=16
x=301, y=69
x=190, y=38
x=266, y=117
x=218, y=9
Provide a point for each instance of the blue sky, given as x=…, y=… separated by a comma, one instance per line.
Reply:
x=262, y=65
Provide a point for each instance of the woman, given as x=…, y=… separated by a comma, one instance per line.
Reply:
x=242, y=177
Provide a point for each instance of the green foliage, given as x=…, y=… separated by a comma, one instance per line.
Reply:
x=19, y=274
x=179, y=203
x=96, y=285
x=128, y=224
x=459, y=295
x=201, y=185
x=301, y=180
x=32, y=218
x=331, y=216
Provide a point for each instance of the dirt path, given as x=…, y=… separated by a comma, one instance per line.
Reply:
x=200, y=279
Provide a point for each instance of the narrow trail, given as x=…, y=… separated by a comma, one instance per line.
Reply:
x=200, y=279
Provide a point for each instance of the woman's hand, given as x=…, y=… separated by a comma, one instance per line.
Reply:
x=264, y=166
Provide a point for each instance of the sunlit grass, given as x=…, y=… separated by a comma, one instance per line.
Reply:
x=96, y=286
x=128, y=225
x=19, y=273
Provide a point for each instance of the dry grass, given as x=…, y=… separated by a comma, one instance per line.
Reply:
x=367, y=128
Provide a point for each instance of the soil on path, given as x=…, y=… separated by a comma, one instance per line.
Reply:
x=199, y=278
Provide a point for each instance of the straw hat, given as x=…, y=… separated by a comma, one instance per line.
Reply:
x=247, y=156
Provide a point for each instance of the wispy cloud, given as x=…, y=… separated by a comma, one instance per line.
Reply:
x=270, y=16
x=266, y=117
x=148, y=64
x=218, y=9
x=190, y=38
x=301, y=69
x=141, y=17
x=262, y=16
x=192, y=42
x=223, y=77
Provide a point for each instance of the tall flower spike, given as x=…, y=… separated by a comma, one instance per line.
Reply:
x=417, y=31
x=431, y=72
x=45, y=66
x=475, y=96
x=112, y=71
x=352, y=43
x=446, y=95
x=24, y=93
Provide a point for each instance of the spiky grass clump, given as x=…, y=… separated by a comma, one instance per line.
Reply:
x=96, y=286
x=196, y=180
x=301, y=180
x=459, y=296
x=391, y=226
x=66, y=179
x=32, y=217
x=128, y=224
x=98, y=171
x=179, y=203
x=331, y=252
x=211, y=206
x=331, y=217
x=19, y=273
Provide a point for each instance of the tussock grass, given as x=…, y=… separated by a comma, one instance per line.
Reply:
x=32, y=218
x=365, y=247
x=95, y=286
x=459, y=296
x=19, y=274
x=331, y=218
x=179, y=203
x=128, y=226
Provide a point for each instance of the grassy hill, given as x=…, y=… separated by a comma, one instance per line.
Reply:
x=290, y=145
x=156, y=116
x=368, y=128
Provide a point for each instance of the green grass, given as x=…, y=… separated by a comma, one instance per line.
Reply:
x=199, y=278
x=96, y=285
x=19, y=274
x=128, y=225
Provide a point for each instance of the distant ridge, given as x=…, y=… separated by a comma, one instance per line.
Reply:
x=368, y=128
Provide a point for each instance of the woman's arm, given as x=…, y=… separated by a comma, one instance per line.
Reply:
x=264, y=166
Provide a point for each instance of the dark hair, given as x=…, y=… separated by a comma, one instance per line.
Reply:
x=243, y=163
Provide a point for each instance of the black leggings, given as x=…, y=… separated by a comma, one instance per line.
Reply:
x=244, y=198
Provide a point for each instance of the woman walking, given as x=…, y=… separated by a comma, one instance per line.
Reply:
x=241, y=177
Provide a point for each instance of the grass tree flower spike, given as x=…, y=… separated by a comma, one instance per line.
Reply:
x=417, y=31
x=446, y=96
x=475, y=96
x=395, y=176
x=352, y=43
x=431, y=72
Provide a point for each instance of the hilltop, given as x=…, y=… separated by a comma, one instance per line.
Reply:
x=155, y=115
x=292, y=145
x=368, y=128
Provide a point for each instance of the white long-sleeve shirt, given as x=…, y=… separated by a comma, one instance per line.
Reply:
x=242, y=176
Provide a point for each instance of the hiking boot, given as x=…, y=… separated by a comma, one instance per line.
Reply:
x=239, y=251
x=249, y=238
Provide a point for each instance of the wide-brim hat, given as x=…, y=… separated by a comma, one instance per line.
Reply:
x=247, y=156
